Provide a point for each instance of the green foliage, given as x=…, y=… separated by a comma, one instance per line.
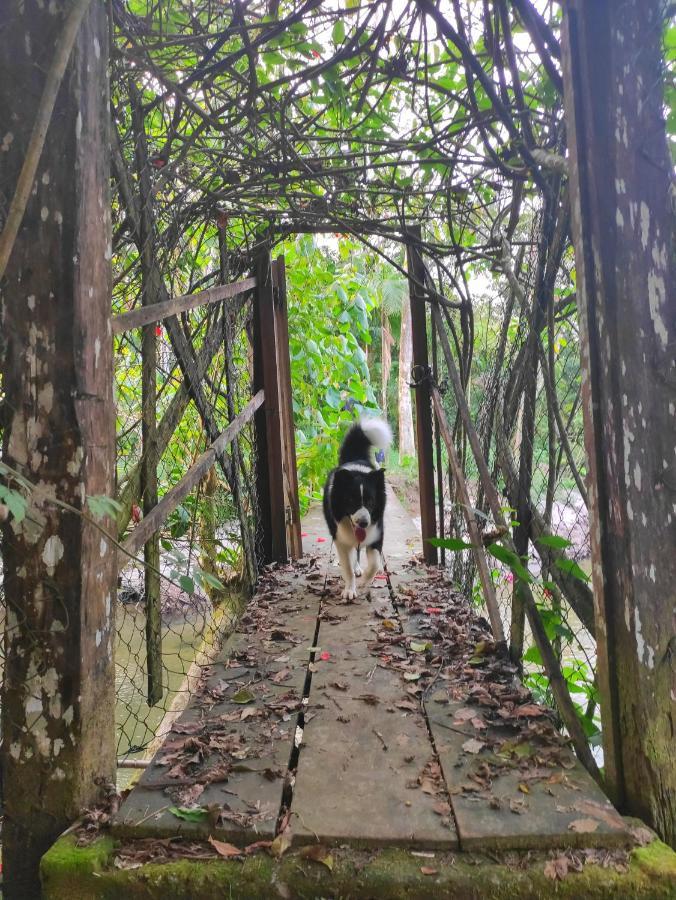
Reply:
x=332, y=297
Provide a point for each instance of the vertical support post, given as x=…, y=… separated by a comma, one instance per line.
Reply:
x=150, y=294
x=295, y=542
x=246, y=532
x=58, y=696
x=269, y=467
x=621, y=196
x=437, y=441
x=423, y=397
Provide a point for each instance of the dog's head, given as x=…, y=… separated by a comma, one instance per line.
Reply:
x=359, y=495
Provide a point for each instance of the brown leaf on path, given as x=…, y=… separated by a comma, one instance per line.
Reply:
x=556, y=869
x=529, y=709
x=473, y=746
x=338, y=685
x=602, y=811
x=584, y=826
x=428, y=870
x=228, y=851
x=524, y=788
x=280, y=844
x=280, y=676
x=442, y=808
x=318, y=853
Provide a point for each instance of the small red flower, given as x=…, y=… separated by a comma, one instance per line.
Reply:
x=321, y=540
x=433, y=610
x=135, y=514
x=303, y=534
x=158, y=163
x=325, y=655
x=158, y=330
x=316, y=54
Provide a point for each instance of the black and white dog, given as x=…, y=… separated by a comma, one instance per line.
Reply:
x=354, y=502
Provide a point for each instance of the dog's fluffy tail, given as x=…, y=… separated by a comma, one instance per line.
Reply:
x=360, y=438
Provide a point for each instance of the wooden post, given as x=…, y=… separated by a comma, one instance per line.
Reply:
x=271, y=520
x=293, y=523
x=620, y=173
x=149, y=487
x=58, y=699
x=423, y=398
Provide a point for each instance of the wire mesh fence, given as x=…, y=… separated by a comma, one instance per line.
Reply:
x=202, y=563
x=531, y=434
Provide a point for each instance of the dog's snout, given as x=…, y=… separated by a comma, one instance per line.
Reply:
x=362, y=522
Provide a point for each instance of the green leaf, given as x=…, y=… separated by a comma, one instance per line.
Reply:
x=15, y=502
x=338, y=33
x=450, y=543
x=553, y=540
x=243, y=696
x=570, y=567
x=198, y=814
x=187, y=584
x=101, y=506
x=509, y=558
x=420, y=647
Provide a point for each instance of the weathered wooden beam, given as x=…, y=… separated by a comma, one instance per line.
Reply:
x=159, y=514
x=295, y=542
x=271, y=520
x=470, y=519
x=131, y=491
x=165, y=308
x=623, y=230
x=58, y=696
x=423, y=399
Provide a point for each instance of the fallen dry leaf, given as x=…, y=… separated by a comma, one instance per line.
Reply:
x=556, y=869
x=319, y=854
x=584, y=826
x=228, y=851
x=428, y=870
x=280, y=844
x=473, y=745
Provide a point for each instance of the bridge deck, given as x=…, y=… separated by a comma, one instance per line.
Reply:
x=390, y=721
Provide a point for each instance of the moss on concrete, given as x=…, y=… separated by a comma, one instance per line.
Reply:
x=72, y=873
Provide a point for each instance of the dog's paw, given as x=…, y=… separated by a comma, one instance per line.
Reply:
x=349, y=594
x=357, y=571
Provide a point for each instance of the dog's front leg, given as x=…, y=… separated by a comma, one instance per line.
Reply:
x=373, y=565
x=347, y=557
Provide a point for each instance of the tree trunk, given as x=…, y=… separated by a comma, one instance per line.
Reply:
x=406, y=436
x=386, y=359
x=59, y=572
x=623, y=234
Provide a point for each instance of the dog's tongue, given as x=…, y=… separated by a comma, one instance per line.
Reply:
x=360, y=533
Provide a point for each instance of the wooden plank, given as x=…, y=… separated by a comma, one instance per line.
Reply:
x=470, y=519
x=362, y=755
x=268, y=658
x=520, y=795
x=154, y=520
x=295, y=542
x=269, y=466
x=423, y=400
x=135, y=318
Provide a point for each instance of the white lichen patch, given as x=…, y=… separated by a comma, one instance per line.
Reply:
x=103, y=547
x=44, y=213
x=52, y=553
x=7, y=142
x=46, y=397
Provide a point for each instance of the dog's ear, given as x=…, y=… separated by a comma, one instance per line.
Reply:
x=377, y=475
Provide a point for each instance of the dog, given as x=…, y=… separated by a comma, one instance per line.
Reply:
x=354, y=503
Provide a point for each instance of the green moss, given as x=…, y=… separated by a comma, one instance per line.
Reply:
x=72, y=873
